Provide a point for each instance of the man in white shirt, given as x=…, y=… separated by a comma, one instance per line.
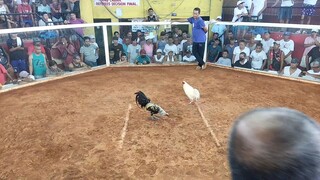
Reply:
x=170, y=47
x=258, y=58
x=308, y=10
x=239, y=12
x=239, y=49
x=189, y=57
x=47, y=21
x=267, y=42
x=287, y=46
x=220, y=29
x=258, y=6
x=285, y=10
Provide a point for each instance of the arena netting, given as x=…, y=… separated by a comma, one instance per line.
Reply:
x=168, y=43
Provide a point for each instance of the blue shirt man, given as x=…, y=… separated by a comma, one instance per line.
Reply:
x=199, y=31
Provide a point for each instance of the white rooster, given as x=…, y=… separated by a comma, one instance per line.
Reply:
x=192, y=93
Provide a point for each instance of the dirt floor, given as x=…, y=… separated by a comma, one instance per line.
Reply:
x=71, y=128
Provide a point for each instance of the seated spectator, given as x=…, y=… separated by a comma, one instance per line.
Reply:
x=44, y=7
x=159, y=57
x=78, y=64
x=243, y=61
x=162, y=42
x=287, y=46
x=55, y=7
x=111, y=57
x=276, y=58
x=125, y=45
x=34, y=4
x=189, y=57
x=187, y=46
x=139, y=36
x=220, y=29
x=133, y=51
x=89, y=52
x=129, y=36
x=65, y=8
x=17, y=54
x=311, y=43
x=38, y=63
x=214, y=50
x=237, y=50
x=214, y=37
x=267, y=42
x=148, y=47
x=26, y=18
x=74, y=20
x=258, y=58
x=170, y=47
x=54, y=69
x=229, y=36
x=123, y=58
x=183, y=40
x=292, y=70
x=143, y=58
x=5, y=18
x=224, y=60
x=274, y=144
x=314, y=72
x=179, y=48
x=253, y=42
x=117, y=49
x=230, y=47
x=45, y=21
x=171, y=57
x=5, y=62
x=66, y=52
x=117, y=34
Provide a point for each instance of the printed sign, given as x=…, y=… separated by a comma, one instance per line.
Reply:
x=143, y=28
x=116, y=2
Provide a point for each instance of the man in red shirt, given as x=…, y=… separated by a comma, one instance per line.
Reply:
x=26, y=20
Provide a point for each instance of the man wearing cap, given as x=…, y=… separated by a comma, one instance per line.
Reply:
x=276, y=58
x=310, y=42
x=267, y=41
x=287, y=46
x=159, y=57
x=238, y=13
x=143, y=58
x=220, y=29
x=292, y=70
x=314, y=72
x=199, y=31
x=285, y=13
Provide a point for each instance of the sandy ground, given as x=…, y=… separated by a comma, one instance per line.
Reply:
x=71, y=128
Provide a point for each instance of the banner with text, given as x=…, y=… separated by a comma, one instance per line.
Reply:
x=116, y=2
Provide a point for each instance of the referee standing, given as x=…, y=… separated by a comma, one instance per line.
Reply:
x=199, y=31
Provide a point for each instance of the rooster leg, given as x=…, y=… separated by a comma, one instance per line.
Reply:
x=153, y=117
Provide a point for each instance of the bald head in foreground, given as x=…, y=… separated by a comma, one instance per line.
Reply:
x=275, y=144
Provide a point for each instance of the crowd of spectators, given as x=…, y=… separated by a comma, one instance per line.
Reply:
x=261, y=52
x=26, y=13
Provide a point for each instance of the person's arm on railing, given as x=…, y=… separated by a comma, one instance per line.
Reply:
x=275, y=3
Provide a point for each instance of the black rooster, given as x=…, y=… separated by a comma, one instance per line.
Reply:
x=144, y=102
